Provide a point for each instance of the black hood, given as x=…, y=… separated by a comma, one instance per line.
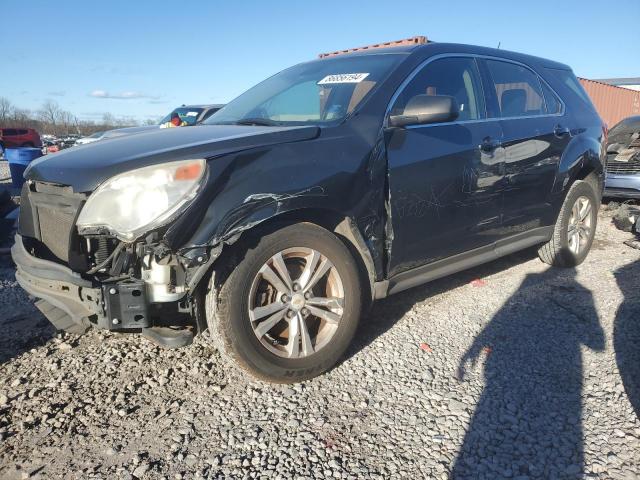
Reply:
x=87, y=166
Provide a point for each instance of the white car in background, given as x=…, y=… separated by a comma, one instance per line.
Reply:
x=90, y=139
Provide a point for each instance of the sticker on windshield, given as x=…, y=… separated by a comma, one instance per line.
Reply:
x=192, y=114
x=343, y=78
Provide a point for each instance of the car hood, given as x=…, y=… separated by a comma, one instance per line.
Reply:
x=87, y=166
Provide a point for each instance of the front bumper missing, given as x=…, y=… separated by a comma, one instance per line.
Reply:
x=66, y=299
x=74, y=304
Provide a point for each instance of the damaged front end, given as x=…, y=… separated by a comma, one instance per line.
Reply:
x=90, y=275
x=623, y=160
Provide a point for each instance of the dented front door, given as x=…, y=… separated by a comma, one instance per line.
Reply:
x=445, y=187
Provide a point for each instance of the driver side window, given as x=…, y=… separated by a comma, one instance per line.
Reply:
x=457, y=77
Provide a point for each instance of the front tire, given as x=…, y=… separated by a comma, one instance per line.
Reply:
x=289, y=309
x=575, y=228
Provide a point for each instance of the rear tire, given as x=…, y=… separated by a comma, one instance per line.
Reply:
x=293, y=326
x=575, y=228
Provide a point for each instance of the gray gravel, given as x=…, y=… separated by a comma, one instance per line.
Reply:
x=528, y=373
x=4, y=170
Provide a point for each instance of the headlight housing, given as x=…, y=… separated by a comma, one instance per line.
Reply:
x=134, y=202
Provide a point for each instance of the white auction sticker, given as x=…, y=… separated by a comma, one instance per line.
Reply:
x=343, y=78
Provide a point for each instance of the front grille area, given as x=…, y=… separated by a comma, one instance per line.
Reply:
x=47, y=214
x=623, y=168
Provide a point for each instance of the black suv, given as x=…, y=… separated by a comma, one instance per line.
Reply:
x=331, y=184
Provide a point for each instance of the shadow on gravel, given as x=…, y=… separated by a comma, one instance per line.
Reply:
x=22, y=332
x=528, y=420
x=626, y=332
x=386, y=313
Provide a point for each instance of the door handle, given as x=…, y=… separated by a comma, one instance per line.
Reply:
x=560, y=131
x=489, y=144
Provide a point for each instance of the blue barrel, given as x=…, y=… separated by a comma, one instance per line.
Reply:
x=19, y=159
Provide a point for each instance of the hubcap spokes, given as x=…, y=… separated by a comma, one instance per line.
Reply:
x=296, y=302
x=580, y=225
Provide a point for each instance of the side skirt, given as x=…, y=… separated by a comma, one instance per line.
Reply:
x=462, y=261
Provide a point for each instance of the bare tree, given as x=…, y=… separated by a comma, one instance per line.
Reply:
x=68, y=121
x=50, y=114
x=22, y=117
x=5, y=111
x=52, y=119
x=108, y=119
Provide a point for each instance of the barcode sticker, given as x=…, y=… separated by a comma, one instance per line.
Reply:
x=343, y=78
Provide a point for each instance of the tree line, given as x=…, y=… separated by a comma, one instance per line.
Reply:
x=52, y=119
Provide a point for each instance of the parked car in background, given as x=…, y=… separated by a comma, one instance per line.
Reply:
x=20, y=137
x=329, y=185
x=50, y=146
x=94, y=137
x=192, y=114
x=623, y=160
x=121, y=132
x=1, y=147
x=69, y=140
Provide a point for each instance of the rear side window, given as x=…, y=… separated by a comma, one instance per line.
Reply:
x=517, y=89
x=457, y=77
x=551, y=100
x=9, y=132
x=22, y=132
x=569, y=80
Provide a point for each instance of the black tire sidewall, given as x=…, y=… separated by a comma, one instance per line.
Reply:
x=241, y=339
x=580, y=189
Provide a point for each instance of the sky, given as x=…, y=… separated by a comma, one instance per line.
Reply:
x=142, y=58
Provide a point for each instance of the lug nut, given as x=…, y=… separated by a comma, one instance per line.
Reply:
x=305, y=311
x=296, y=287
x=285, y=298
x=113, y=291
x=307, y=295
x=115, y=321
x=290, y=314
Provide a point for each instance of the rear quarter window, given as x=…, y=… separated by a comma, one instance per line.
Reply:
x=571, y=84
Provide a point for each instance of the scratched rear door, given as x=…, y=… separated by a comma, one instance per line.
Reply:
x=446, y=179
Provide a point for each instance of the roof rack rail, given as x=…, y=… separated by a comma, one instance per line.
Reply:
x=417, y=40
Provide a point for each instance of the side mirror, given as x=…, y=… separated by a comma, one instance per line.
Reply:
x=423, y=109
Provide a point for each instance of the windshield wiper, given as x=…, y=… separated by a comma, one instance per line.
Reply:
x=257, y=121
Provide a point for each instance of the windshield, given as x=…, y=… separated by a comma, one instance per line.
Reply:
x=319, y=92
x=96, y=135
x=186, y=114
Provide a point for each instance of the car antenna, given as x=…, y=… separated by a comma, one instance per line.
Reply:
x=498, y=47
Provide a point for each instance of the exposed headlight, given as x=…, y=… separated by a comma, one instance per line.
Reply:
x=134, y=202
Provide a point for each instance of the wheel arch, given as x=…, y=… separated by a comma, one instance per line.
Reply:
x=581, y=160
x=344, y=227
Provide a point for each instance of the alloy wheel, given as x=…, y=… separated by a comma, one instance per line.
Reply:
x=580, y=225
x=296, y=302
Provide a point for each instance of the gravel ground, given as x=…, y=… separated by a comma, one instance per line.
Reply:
x=510, y=370
x=5, y=173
